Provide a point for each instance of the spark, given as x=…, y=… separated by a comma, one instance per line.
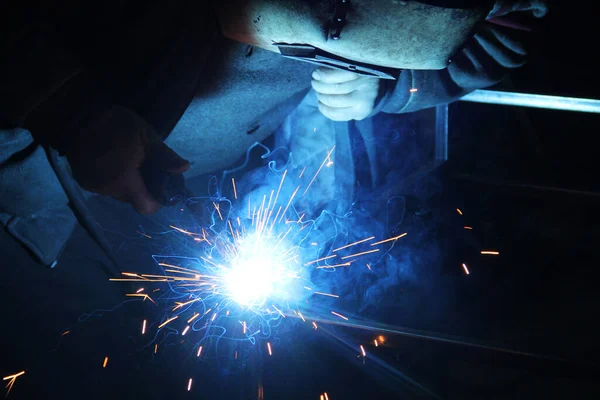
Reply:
x=302, y=172
x=375, y=343
x=269, y=348
x=369, y=266
x=278, y=310
x=360, y=254
x=234, y=188
x=321, y=259
x=244, y=327
x=65, y=333
x=144, y=327
x=140, y=290
x=327, y=294
x=196, y=315
x=143, y=234
x=470, y=228
x=321, y=397
x=199, y=351
x=458, y=211
x=413, y=90
x=353, y=244
x=490, y=252
x=314, y=324
x=105, y=362
x=167, y=321
x=236, y=354
x=214, y=317
x=218, y=210
x=390, y=239
x=319, y=170
x=346, y=264
x=362, y=349
x=142, y=295
x=301, y=316
x=185, y=330
x=381, y=339
x=326, y=397
x=339, y=315
x=465, y=268
x=11, y=380
x=155, y=348
x=189, y=385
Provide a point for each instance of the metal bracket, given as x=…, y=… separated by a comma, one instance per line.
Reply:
x=311, y=54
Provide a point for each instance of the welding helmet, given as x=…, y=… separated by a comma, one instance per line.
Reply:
x=373, y=37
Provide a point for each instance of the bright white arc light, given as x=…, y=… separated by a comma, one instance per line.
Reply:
x=250, y=281
x=255, y=274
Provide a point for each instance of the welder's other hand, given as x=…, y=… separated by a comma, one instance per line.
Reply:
x=107, y=157
x=344, y=95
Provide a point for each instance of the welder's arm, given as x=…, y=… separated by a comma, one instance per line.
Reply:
x=485, y=60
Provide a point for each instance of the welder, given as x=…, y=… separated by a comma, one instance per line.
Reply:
x=105, y=85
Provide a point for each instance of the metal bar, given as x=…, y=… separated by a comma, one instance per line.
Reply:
x=533, y=100
x=441, y=134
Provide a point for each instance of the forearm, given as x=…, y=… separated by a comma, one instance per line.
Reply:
x=487, y=58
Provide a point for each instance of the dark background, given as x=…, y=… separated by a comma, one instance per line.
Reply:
x=507, y=172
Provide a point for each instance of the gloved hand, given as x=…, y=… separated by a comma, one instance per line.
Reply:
x=344, y=95
x=107, y=156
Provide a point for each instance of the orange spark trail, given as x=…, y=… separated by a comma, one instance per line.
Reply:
x=347, y=264
x=458, y=211
x=321, y=259
x=167, y=321
x=490, y=252
x=353, y=244
x=289, y=202
x=327, y=294
x=390, y=239
x=199, y=351
x=190, y=384
x=11, y=380
x=319, y=170
x=105, y=362
x=219, y=211
x=339, y=315
x=144, y=327
x=360, y=254
x=269, y=347
x=465, y=268
x=234, y=188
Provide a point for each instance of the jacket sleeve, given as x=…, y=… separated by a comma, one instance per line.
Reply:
x=496, y=49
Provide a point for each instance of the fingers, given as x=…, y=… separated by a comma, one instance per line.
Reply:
x=337, y=88
x=337, y=100
x=330, y=75
x=336, y=113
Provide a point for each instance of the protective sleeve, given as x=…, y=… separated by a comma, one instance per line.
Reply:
x=497, y=48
